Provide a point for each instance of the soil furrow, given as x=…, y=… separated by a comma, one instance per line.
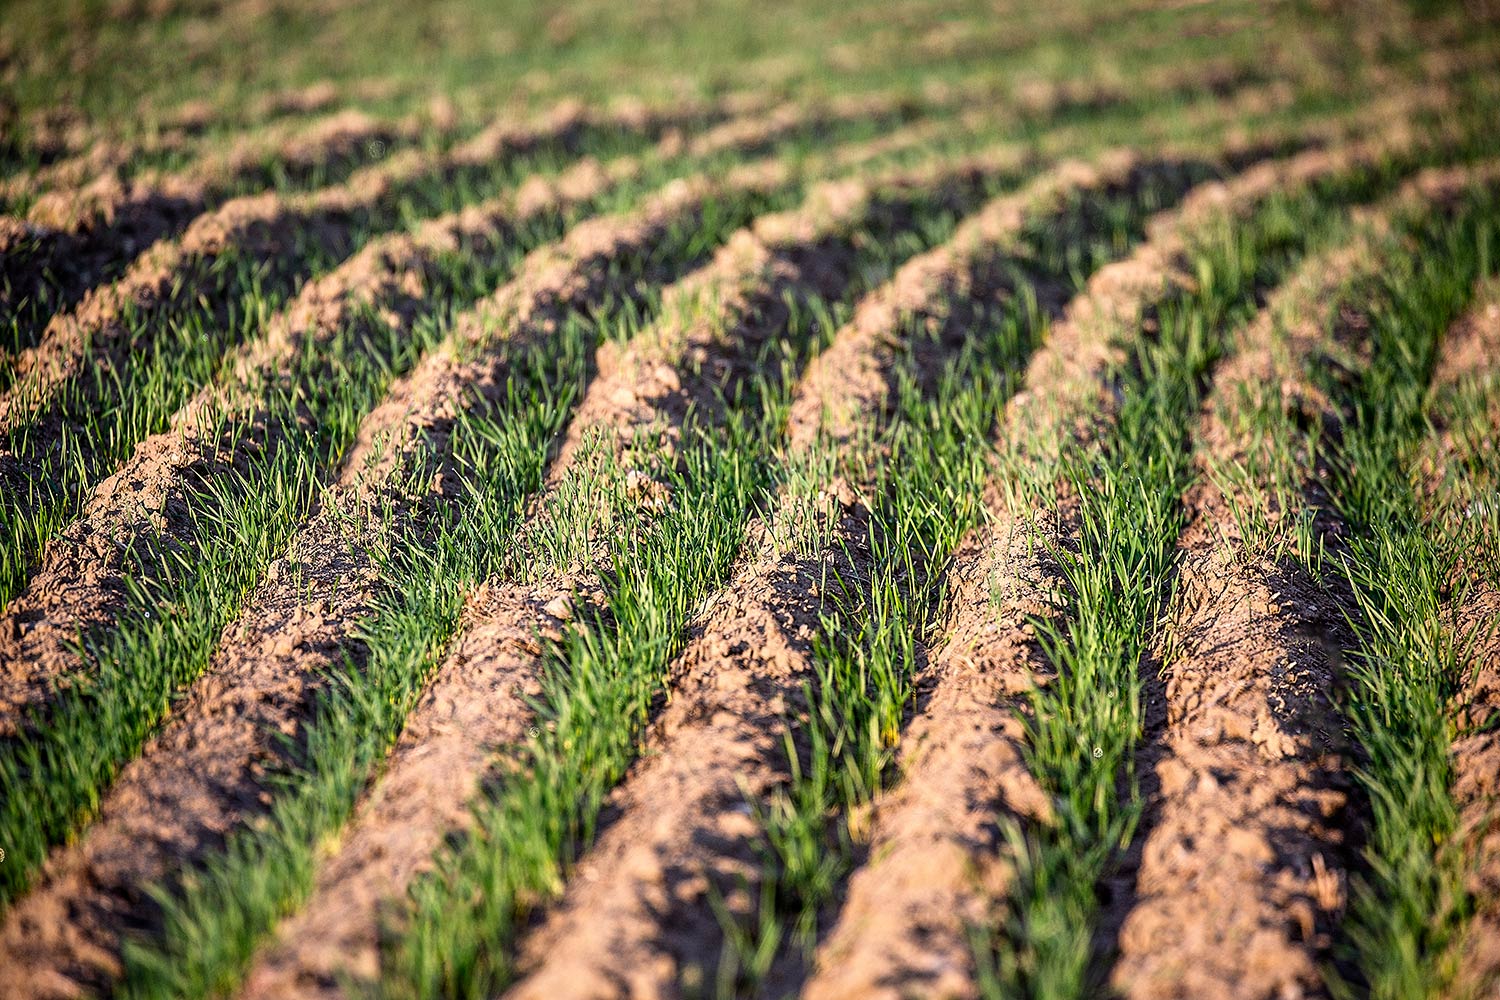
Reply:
x=1242, y=873
x=938, y=291
x=224, y=733
x=101, y=157
x=71, y=240
x=635, y=921
x=933, y=859
x=187, y=125
x=717, y=321
x=205, y=773
x=104, y=151
x=850, y=504
x=1470, y=347
x=1250, y=829
x=636, y=918
x=438, y=385
x=79, y=582
x=477, y=702
x=266, y=227
x=106, y=223
x=287, y=103
x=1122, y=289
x=931, y=867
x=542, y=294
x=935, y=865
x=333, y=145
x=805, y=252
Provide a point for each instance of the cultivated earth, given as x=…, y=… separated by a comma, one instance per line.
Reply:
x=940, y=499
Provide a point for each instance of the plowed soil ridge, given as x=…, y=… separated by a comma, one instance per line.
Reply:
x=1250, y=831
x=79, y=584
x=437, y=386
x=169, y=275
x=259, y=229
x=789, y=252
x=209, y=763
x=637, y=913
x=263, y=227
x=936, y=291
x=1450, y=475
x=550, y=279
x=99, y=150
x=107, y=158
x=933, y=856
x=716, y=318
x=88, y=223
x=205, y=837
x=1074, y=375
x=936, y=862
x=100, y=157
x=615, y=924
x=636, y=918
x=477, y=702
x=933, y=867
x=333, y=143
x=1242, y=875
x=70, y=240
x=180, y=129
x=748, y=139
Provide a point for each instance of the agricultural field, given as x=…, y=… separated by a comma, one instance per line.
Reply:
x=949, y=498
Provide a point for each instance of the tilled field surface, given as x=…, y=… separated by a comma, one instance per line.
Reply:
x=966, y=503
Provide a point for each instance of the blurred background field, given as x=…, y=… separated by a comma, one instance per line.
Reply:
x=130, y=66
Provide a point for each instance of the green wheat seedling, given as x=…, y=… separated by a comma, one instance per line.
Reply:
x=927, y=471
x=1408, y=908
x=185, y=339
x=312, y=417
x=245, y=924
x=135, y=117
x=242, y=510
x=717, y=457
x=1083, y=726
x=596, y=696
x=106, y=412
x=428, y=564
